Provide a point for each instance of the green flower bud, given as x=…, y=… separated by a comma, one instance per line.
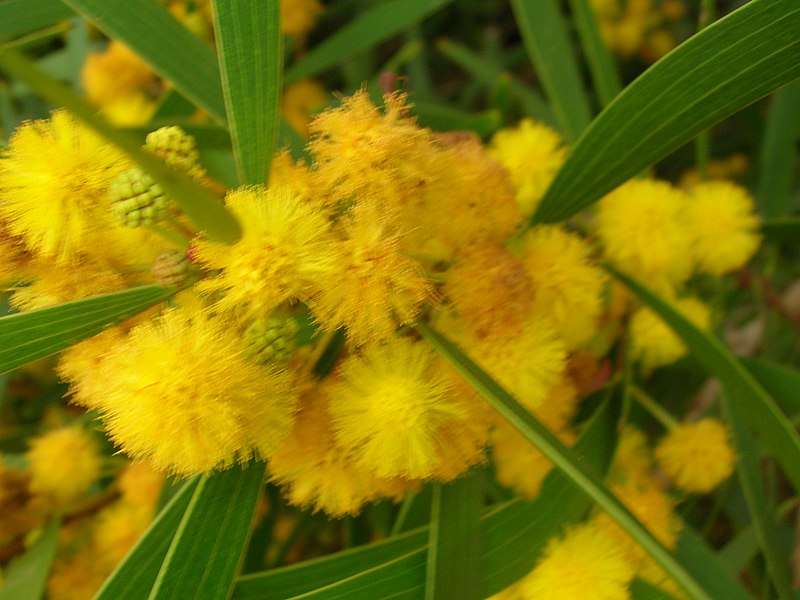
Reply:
x=170, y=268
x=137, y=199
x=272, y=340
x=176, y=148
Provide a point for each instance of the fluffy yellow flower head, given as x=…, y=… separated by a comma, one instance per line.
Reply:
x=587, y=562
x=298, y=17
x=567, y=287
x=63, y=463
x=374, y=288
x=532, y=153
x=394, y=410
x=54, y=179
x=113, y=74
x=181, y=393
x=643, y=232
x=284, y=252
x=696, y=456
x=724, y=226
x=653, y=343
x=300, y=101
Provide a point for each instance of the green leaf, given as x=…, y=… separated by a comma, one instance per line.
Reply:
x=27, y=574
x=454, y=540
x=566, y=460
x=514, y=535
x=704, y=564
x=601, y=63
x=133, y=578
x=173, y=51
x=781, y=381
x=774, y=428
x=197, y=202
x=250, y=51
x=725, y=67
x=641, y=590
x=21, y=16
x=545, y=35
x=778, y=155
x=38, y=333
x=781, y=229
x=761, y=511
x=368, y=29
x=208, y=547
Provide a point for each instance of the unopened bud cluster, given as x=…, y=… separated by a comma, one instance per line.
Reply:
x=272, y=340
x=170, y=268
x=176, y=148
x=137, y=199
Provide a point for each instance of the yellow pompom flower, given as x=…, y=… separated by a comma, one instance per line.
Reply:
x=532, y=153
x=653, y=343
x=63, y=463
x=180, y=393
x=114, y=73
x=374, y=288
x=566, y=285
x=316, y=473
x=696, y=456
x=644, y=234
x=298, y=17
x=284, y=252
x=724, y=226
x=300, y=101
x=394, y=409
x=54, y=179
x=586, y=562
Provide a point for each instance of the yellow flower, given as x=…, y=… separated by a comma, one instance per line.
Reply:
x=696, y=456
x=113, y=74
x=586, y=562
x=567, y=286
x=643, y=232
x=63, y=463
x=374, y=288
x=284, y=252
x=724, y=226
x=54, y=179
x=140, y=485
x=653, y=342
x=180, y=393
x=298, y=17
x=300, y=101
x=532, y=153
x=394, y=410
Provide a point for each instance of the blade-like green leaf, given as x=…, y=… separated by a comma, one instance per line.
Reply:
x=38, y=333
x=199, y=204
x=601, y=63
x=205, y=554
x=514, y=534
x=21, y=16
x=133, y=578
x=725, y=67
x=761, y=512
x=774, y=428
x=250, y=51
x=545, y=35
x=779, y=153
x=641, y=590
x=370, y=28
x=173, y=52
x=781, y=229
x=563, y=458
x=700, y=560
x=454, y=540
x=780, y=381
x=26, y=575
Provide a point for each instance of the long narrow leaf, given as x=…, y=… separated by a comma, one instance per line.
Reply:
x=563, y=458
x=133, y=578
x=454, y=542
x=700, y=560
x=199, y=204
x=21, y=16
x=779, y=153
x=370, y=28
x=781, y=382
x=250, y=50
x=24, y=337
x=774, y=428
x=514, y=535
x=545, y=35
x=27, y=574
x=210, y=542
x=722, y=69
x=761, y=513
x=173, y=52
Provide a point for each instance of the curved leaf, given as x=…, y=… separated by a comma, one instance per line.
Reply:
x=566, y=460
x=782, y=382
x=250, y=51
x=514, y=534
x=38, y=333
x=27, y=574
x=725, y=67
x=21, y=16
x=775, y=430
